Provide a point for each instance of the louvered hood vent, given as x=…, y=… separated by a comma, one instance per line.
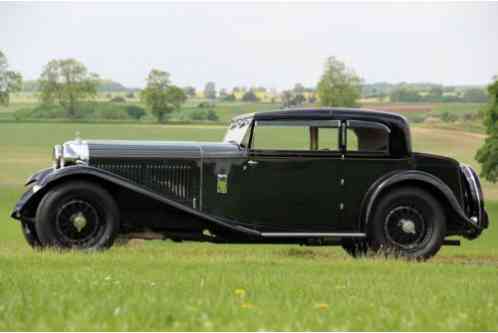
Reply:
x=170, y=169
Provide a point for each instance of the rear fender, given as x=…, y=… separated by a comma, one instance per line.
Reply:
x=413, y=178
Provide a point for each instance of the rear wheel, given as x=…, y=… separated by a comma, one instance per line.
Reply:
x=356, y=248
x=408, y=222
x=77, y=215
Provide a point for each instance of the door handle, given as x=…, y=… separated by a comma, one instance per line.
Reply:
x=252, y=163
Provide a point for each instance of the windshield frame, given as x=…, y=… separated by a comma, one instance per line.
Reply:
x=239, y=131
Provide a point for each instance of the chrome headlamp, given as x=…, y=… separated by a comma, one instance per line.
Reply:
x=71, y=152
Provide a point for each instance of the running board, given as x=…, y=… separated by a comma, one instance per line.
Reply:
x=313, y=234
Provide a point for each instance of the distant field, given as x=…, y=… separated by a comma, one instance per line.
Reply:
x=427, y=109
x=196, y=286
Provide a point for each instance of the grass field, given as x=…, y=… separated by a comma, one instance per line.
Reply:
x=196, y=286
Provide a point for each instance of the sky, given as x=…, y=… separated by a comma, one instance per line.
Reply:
x=256, y=44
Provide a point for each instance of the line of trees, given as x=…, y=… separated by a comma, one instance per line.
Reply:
x=436, y=94
x=68, y=83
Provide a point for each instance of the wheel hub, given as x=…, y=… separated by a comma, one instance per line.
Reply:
x=79, y=221
x=405, y=227
x=408, y=226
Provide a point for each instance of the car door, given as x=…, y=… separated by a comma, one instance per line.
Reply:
x=290, y=182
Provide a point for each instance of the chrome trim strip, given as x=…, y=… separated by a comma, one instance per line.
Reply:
x=313, y=234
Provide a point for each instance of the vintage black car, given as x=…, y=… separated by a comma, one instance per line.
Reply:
x=330, y=176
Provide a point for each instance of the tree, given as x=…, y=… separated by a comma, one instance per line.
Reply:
x=487, y=155
x=299, y=99
x=311, y=99
x=436, y=92
x=10, y=81
x=475, y=95
x=250, y=96
x=189, y=91
x=298, y=88
x=67, y=82
x=287, y=98
x=135, y=112
x=210, y=90
x=339, y=85
x=160, y=96
x=223, y=93
x=404, y=94
x=229, y=98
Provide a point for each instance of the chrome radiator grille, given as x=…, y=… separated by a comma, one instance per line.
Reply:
x=175, y=179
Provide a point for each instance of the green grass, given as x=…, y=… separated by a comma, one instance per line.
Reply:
x=197, y=286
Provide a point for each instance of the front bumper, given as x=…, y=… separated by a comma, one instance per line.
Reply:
x=473, y=202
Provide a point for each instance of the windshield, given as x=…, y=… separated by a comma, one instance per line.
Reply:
x=238, y=132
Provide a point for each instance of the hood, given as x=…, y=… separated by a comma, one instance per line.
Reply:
x=84, y=151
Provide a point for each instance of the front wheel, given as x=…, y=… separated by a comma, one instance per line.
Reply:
x=77, y=215
x=29, y=233
x=408, y=222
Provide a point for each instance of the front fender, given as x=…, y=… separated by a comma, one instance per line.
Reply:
x=51, y=179
x=413, y=177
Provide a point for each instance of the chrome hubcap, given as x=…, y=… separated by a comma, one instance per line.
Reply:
x=79, y=221
x=407, y=226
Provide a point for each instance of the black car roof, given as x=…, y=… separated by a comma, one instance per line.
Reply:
x=323, y=113
x=396, y=122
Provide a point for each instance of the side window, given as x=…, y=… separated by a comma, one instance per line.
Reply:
x=369, y=137
x=296, y=135
x=328, y=138
x=268, y=137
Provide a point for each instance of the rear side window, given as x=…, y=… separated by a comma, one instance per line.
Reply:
x=367, y=137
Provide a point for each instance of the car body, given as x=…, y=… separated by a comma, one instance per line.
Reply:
x=305, y=176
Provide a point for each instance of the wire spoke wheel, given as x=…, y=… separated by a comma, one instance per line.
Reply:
x=77, y=222
x=406, y=228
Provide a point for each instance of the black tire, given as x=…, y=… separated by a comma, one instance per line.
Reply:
x=408, y=222
x=29, y=233
x=356, y=248
x=77, y=215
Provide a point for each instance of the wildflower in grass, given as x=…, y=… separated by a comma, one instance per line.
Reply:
x=240, y=292
x=322, y=306
x=247, y=306
x=117, y=311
